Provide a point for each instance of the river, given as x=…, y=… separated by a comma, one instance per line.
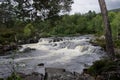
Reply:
x=71, y=53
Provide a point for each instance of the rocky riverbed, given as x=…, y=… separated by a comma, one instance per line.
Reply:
x=70, y=53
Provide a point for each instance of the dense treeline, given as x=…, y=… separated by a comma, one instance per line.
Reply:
x=89, y=23
x=21, y=20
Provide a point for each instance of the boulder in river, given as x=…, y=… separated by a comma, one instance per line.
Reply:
x=27, y=50
x=57, y=39
x=1, y=46
x=33, y=76
x=41, y=64
x=62, y=74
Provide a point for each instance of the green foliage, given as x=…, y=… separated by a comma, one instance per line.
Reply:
x=116, y=25
x=6, y=35
x=100, y=42
x=64, y=25
x=45, y=34
x=14, y=76
x=117, y=43
x=101, y=66
x=97, y=67
x=28, y=30
x=26, y=11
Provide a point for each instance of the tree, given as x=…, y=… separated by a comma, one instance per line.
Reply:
x=107, y=29
x=6, y=13
x=23, y=9
x=41, y=9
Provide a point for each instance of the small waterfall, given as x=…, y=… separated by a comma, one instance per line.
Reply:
x=71, y=53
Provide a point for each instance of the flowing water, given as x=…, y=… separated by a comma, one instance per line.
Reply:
x=71, y=53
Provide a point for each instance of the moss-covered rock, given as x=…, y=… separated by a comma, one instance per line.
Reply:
x=108, y=69
x=99, y=42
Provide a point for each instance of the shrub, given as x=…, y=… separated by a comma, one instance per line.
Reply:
x=14, y=76
x=28, y=30
x=101, y=66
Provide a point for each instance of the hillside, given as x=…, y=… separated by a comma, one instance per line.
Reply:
x=115, y=10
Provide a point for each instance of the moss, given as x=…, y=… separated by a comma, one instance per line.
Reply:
x=45, y=34
x=102, y=66
x=97, y=67
x=100, y=42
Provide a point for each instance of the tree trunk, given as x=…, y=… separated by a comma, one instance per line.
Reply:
x=107, y=29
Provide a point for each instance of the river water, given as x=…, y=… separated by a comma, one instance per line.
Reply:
x=71, y=53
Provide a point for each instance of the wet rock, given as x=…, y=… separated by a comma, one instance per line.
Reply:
x=86, y=77
x=52, y=70
x=1, y=46
x=111, y=75
x=22, y=65
x=58, y=74
x=54, y=45
x=33, y=76
x=84, y=48
x=99, y=77
x=22, y=75
x=6, y=48
x=1, y=50
x=27, y=50
x=32, y=41
x=28, y=41
x=94, y=44
x=55, y=74
x=62, y=74
x=87, y=38
x=102, y=37
x=41, y=64
x=57, y=39
x=21, y=42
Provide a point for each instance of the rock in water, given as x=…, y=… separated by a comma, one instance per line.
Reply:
x=41, y=64
x=33, y=76
x=62, y=74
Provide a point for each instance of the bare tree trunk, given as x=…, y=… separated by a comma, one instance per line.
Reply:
x=107, y=29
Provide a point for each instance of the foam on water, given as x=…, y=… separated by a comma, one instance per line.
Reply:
x=71, y=53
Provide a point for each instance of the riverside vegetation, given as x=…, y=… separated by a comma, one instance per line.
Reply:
x=65, y=25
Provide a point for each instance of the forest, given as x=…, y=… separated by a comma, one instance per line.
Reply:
x=64, y=25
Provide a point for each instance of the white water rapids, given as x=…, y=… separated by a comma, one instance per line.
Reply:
x=71, y=53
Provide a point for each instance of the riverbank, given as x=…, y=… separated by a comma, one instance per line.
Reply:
x=53, y=74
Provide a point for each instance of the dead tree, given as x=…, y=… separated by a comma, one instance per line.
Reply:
x=107, y=29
